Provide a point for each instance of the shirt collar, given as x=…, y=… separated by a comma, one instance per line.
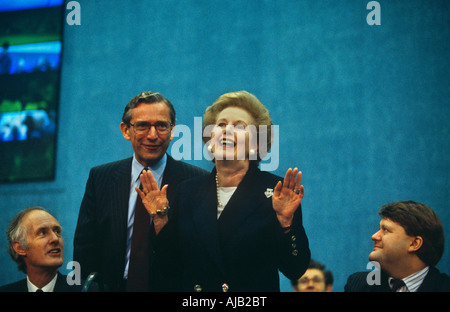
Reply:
x=47, y=288
x=414, y=281
x=157, y=169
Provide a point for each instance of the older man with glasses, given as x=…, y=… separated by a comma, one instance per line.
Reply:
x=114, y=232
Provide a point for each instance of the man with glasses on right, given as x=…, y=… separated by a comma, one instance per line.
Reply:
x=407, y=248
x=114, y=232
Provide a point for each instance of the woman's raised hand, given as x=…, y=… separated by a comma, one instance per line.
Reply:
x=287, y=196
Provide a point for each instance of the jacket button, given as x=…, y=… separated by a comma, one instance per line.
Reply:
x=197, y=288
x=225, y=287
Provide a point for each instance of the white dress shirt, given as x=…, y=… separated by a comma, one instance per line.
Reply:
x=47, y=288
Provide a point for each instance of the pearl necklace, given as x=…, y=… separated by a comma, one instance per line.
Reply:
x=219, y=203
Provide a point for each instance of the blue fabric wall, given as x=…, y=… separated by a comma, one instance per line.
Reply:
x=363, y=110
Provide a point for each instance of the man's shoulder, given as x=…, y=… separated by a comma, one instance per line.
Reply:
x=436, y=281
x=357, y=276
x=183, y=169
x=113, y=165
x=62, y=284
x=368, y=281
x=267, y=177
x=19, y=286
x=111, y=170
x=357, y=282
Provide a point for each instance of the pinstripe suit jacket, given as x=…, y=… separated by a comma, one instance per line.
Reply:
x=435, y=281
x=100, y=235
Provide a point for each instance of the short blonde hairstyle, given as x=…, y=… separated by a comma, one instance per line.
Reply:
x=250, y=104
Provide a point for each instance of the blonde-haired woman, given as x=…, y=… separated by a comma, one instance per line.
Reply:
x=236, y=228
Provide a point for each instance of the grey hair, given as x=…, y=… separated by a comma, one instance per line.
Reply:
x=17, y=232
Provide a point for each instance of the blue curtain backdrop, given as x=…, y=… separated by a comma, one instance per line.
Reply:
x=362, y=110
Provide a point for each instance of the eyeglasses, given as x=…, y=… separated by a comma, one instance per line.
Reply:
x=142, y=127
x=315, y=280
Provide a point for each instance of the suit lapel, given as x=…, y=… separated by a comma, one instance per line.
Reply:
x=429, y=281
x=212, y=232
x=383, y=287
x=168, y=174
x=248, y=196
x=20, y=286
x=174, y=173
x=204, y=217
x=171, y=172
x=120, y=183
x=62, y=286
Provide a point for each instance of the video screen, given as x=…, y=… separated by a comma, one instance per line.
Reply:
x=30, y=68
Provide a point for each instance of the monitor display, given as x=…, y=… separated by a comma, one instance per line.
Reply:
x=30, y=68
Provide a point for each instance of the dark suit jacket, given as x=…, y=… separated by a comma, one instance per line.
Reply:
x=60, y=286
x=244, y=248
x=433, y=282
x=100, y=236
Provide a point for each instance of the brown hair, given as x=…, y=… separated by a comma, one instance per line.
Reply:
x=419, y=220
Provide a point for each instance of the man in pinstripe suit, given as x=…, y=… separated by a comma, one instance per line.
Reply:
x=407, y=247
x=104, y=230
